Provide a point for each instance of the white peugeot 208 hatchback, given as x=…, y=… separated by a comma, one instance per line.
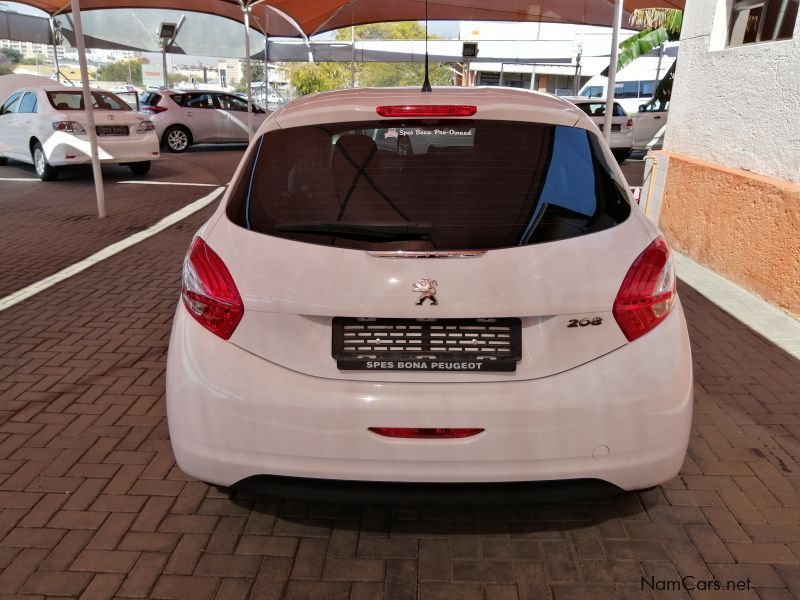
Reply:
x=479, y=303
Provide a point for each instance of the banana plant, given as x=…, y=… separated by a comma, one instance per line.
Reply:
x=660, y=25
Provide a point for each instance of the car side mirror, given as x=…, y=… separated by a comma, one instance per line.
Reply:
x=643, y=108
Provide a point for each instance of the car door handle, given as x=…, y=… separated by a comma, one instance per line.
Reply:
x=657, y=117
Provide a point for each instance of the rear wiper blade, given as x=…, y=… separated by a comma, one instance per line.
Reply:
x=380, y=232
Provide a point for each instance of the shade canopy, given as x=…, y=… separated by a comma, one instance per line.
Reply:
x=290, y=17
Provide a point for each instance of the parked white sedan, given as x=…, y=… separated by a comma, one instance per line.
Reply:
x=46, y=126
x=622, y=129
x=184, y=118
x=488, y=306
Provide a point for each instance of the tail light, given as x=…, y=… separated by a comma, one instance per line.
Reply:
x=154, y=109
x=427, y=110
x=629, y=123
x=426, y=433
x=648, y=291
x=208, y=291
x=68, y=126
x=145, y=126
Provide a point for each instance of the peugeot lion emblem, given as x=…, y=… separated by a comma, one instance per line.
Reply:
x=427, y=290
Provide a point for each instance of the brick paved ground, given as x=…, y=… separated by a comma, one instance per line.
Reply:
x=35, y=213
x=94, y=507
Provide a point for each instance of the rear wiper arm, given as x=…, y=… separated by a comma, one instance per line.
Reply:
x=378, y=232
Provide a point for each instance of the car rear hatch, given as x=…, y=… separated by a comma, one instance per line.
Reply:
x=428, y=249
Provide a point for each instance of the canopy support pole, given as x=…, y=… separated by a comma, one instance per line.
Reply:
x=248, y=67
x=89, y=104
x=612, y=70
x=54, y=37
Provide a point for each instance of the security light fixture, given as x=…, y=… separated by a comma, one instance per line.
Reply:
x=470, y=50
x=166, y=31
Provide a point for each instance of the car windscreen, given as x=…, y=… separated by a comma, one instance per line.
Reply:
x=428, y=185
x=69, y=100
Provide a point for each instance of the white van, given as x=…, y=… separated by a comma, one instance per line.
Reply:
x=635, y=84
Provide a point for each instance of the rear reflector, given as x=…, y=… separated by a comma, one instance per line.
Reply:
x=426, y=433
x=427, y=110
x=647, y=292
x=208, y=291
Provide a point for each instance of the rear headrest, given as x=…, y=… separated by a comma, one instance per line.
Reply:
x=62, y=106
x=358, y=148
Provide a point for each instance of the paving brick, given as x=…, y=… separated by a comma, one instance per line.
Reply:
x=181, y=587
x=105, y=561
x=188, y=552
x=102, y=585
x=361, y=569
x=57, y=583
x=143, y=575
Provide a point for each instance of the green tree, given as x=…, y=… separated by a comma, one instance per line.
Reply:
x=10, y=56
x=310, y=78
x=316, y=77
x=129, y=70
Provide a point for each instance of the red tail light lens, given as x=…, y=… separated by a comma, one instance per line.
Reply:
x=427, y=110
x=154, y=109
x=648, y=291
x=426, y=433
x=629, y=123
x=208, y=291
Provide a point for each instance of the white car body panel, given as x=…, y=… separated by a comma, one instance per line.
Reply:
x=648, y=128
x=582, y=403
x=17, y=130
x=206, y=125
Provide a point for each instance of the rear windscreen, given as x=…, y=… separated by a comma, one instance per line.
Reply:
x=428, y=185
x=74, y=101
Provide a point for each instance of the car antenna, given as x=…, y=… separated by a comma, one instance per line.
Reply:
x=426, y=85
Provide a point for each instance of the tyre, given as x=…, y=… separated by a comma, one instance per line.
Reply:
x=140, y=168
x=177, y=139
x=3, y=161
x=44, y=170
x=621, y=154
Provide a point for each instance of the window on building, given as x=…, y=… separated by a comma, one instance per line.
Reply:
x=754, y=21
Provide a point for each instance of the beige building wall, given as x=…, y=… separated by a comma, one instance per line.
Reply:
x=731, y=195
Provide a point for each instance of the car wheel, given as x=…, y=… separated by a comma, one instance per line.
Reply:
x=140, y=168
x=3, y=161
x=44, y=170
x=177, y=139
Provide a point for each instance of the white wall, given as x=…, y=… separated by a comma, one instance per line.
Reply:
x=738, y=107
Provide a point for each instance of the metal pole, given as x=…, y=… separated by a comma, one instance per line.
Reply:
x=164, y=62
x=658, y=68
x=246, y=11
x=612, y=70
x=88, y=103
x=353, y=57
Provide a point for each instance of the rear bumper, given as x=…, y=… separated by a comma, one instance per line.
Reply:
x=65, y=149
x=623, y=418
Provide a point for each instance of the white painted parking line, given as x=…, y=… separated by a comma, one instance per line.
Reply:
x=108, y=251
x=778, y=327
x=19, y=179
x=170, y=183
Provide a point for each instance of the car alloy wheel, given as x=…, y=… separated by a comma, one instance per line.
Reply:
x=39, y=162
x=177, y=140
